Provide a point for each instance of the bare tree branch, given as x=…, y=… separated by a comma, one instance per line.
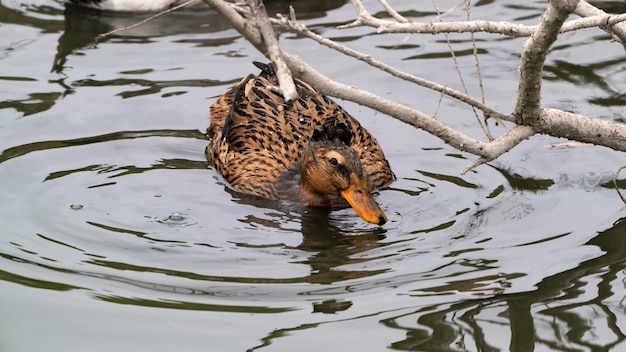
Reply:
x=611, y=24
x=529, y=114
x=595, y=18
x=303, y=30
x=533, y=57
x=259, y=14
x=502, y=145
x=483, y=126
x=391, y=11
x=563, y=124
x=619, y=193
x=241, y=24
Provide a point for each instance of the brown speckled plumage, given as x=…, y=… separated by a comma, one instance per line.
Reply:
x=258, y=141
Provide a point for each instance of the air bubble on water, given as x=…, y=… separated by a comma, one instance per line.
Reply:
x=176, y=217
x=76, y=206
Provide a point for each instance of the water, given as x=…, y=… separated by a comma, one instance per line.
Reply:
x=116, y=236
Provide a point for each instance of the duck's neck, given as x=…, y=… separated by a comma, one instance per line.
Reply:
x=293, y=187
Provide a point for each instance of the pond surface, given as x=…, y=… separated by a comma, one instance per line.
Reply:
x=116, y=236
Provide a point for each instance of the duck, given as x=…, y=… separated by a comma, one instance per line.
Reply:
x=128, y=5
x=309, y=151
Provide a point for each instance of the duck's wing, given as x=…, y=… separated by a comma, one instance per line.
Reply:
x=256, y=136
x=221, y=108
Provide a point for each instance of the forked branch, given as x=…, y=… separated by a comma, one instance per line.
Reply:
x=530, y=115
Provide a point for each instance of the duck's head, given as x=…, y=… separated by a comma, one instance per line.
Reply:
x=331, y=167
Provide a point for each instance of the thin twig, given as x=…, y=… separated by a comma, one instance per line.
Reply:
x=441, y=15
x=390, y=10
x=303, y=30
x=438, y=105
x=502, y=145
x=460, y=74
x=619, y=193
x=171, y=9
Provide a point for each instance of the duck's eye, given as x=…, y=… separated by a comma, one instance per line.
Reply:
x=333, y=161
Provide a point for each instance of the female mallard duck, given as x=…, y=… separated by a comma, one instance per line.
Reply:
x=309, y=151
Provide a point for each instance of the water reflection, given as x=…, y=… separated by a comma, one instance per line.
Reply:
x=22, y=150
x=83, y=25
x=330, y=246
x=574, y=310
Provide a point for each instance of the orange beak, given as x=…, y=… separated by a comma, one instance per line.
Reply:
x=362, y=201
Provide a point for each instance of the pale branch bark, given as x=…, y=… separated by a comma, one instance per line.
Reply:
x=286, y=84
x=533, y=117
x=303, y=30
x=401, y=112
x=534, y=55
x=486, y=151
x=563, y=124
x=240, y=23
x=392, y=12
x=325, y=85
x=502, y=145
x=594, y=18
x=612, y=25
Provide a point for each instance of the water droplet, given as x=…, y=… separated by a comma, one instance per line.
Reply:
x=176, y=217
x=177, y=220
x=76, y=206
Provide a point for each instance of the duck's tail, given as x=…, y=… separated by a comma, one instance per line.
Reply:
x=268, y=70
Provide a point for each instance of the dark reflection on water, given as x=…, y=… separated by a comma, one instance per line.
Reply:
x=21, y=150
x=32, y=282
x=563, y=314
x=526, y=183
x=83, y=25
x=330, y=245
x=35, y=103
x=610, y=6
x=152, y=87
x=192, y=305
x=178, y=164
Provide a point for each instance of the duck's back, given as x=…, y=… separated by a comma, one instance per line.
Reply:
x=257, y=136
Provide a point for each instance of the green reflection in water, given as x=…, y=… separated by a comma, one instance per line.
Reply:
x=195, y=276
x=116, y=229
x=525, y=183
x=163, y=164
x=180, y=305
x=30, y=282
x=35, y=103
x=453, y=179
x=24, y=149
x=151, y=87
